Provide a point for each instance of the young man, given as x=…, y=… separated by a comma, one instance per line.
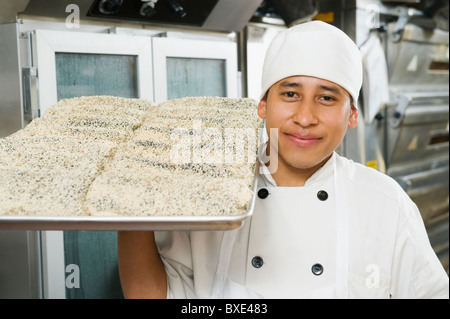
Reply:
x=324, y=227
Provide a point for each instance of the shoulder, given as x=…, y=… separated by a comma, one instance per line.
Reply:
x=363, y=179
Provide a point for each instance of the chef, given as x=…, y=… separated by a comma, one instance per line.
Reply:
x=323, y=226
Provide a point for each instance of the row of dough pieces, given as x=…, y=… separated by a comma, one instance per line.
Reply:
x=96, y=156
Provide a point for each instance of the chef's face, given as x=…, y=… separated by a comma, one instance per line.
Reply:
x=311, y=116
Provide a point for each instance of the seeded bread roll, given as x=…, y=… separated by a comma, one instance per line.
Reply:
x=43, y=192
x=155, y=192
x=83, y=133
x=53, y=152
x=101, y=118
x=96, y=103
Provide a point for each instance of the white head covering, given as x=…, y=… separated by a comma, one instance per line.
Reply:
x=315, y=49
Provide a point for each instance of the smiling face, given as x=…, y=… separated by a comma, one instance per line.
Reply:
x=311, y=116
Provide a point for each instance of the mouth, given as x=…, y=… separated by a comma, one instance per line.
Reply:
x=303, y=140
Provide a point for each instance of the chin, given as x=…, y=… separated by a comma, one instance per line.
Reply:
x=305, y=162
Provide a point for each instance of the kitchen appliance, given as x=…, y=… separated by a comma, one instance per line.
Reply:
x=206, y=15
x=417, y=126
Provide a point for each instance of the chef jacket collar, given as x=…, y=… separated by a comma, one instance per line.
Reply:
x=321, y=174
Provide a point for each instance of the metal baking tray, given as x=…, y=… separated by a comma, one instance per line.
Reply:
x=131, y=223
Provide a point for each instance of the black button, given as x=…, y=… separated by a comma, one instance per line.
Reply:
x=322, y=195
x=263, y=193
x=317, y=269
x=257, y=262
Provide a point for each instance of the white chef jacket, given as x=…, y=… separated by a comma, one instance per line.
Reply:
x=388, y=251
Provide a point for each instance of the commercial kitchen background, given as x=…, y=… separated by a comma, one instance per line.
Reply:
x=159, y=50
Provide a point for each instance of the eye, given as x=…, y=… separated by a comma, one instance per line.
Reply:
x=289, y=94
x=327, y=99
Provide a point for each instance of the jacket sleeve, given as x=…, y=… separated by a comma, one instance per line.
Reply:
x=175, y=251
x=417, y=272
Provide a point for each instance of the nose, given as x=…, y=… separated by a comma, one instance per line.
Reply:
x=305, y=114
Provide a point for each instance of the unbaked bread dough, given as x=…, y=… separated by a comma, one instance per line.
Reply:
x=110, y=156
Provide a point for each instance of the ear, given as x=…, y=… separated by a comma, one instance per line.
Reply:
x=262, y=107
x=353, y=120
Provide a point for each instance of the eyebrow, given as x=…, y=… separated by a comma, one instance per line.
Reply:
x=287, y=84
x=334, y=89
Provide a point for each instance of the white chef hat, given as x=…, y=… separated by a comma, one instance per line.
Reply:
x=315, y=49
